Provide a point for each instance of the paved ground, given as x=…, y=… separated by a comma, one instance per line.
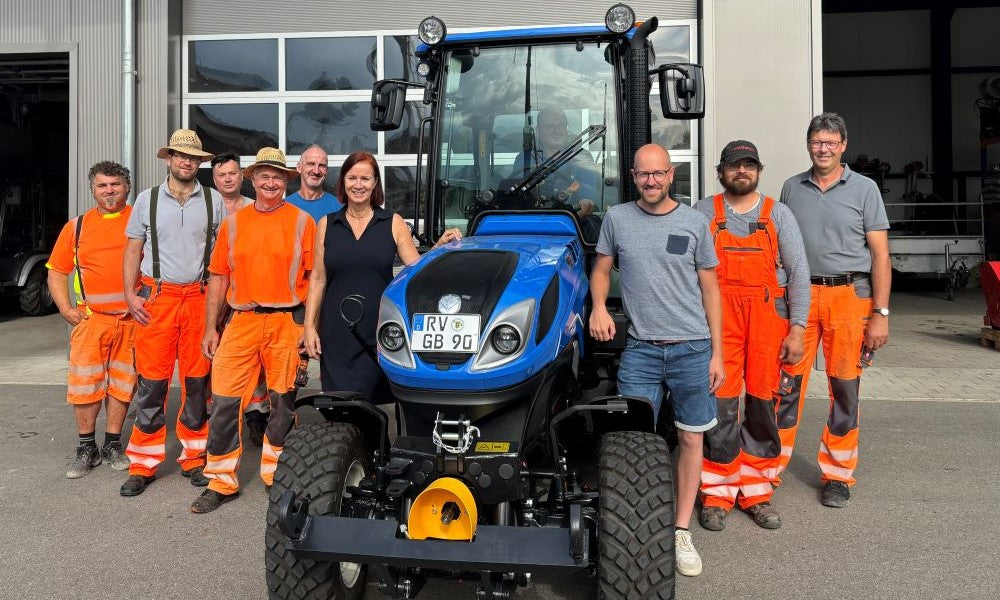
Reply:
x=921, y=523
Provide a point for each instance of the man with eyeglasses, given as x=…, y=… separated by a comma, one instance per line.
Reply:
x=260, y=268
x=844, y=227
x=170, y=235
x=671, y=296
x=764, y=279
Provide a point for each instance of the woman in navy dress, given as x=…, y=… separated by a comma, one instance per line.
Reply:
x=355, y=249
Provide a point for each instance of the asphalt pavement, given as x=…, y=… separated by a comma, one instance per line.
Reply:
x=920, y=524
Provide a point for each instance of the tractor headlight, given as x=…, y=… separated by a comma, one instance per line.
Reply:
x=391, y=337
x=423, y=68
x=619, y=18
x=505, y=339
x=431, y=31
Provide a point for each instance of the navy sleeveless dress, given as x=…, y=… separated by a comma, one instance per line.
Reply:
x=354, y=266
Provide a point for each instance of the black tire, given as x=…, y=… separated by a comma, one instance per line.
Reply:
x=35, y=297
x=636, y=520
x=321, y=460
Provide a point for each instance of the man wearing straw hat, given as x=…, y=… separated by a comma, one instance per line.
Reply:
x=170, y=236
x=260, y=267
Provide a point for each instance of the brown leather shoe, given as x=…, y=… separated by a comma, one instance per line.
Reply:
x=765, y=515
x=210, y=500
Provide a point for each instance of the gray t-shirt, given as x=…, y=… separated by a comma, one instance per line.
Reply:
x=793, y=272
x=181, y=232
x=834, y=222
x=659, y=257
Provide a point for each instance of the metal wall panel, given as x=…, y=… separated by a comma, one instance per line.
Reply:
x=764, y=82
x=206, y=17
x=155, y=68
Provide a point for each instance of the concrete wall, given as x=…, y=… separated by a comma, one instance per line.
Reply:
x=763, y=74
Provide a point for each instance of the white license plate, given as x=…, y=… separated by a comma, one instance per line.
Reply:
x=445, y=333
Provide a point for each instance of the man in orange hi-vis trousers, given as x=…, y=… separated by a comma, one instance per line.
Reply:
x=844, y=226
x=260, y=266
x=100, y=347
x=764, y=280
x=170, y=236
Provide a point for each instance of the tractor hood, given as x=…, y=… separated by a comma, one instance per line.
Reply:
x=483, y=313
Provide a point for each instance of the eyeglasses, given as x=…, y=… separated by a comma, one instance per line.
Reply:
x=269, y=178
x=746, y=165
x=828, y=144
x=185, y=157
x=656, y=175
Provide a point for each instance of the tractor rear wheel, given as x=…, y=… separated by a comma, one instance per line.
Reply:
x=636, y=519
x=35, y=298
x=319, y=460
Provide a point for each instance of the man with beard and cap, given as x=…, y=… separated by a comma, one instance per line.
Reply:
x=100, y=346
x=165, y=268
x=311, y=197
x=260, y=268
x=845, y=230
x=671, y=296
x=764, y=278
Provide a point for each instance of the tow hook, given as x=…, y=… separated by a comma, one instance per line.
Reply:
x=292, y=514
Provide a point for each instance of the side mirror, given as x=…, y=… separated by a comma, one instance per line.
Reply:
x=388, y=97
x=682, y=91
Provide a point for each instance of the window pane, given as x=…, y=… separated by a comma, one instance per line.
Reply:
x=672, y=134
x=242, y=128
x=400, y=62
x=399, y=182
x=330, y=63
x=681, y=188
x=671, y=44
x=233, y=66
x=339, y=127
x=404, y=140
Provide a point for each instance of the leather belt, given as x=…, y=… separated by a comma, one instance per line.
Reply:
x=835, y=280
x=266, y=310
x=662, y=342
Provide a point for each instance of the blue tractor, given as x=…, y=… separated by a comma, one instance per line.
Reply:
x=512, y=454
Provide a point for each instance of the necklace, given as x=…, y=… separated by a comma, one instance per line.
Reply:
x=359, y=217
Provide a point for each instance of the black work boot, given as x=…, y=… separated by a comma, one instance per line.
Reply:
x=135, y=485
x=197, y=476
x=835, y=494
x=210, y=500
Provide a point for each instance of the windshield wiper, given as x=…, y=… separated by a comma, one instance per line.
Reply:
x=532, y=178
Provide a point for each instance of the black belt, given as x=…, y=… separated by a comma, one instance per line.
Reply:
x=266, y=310
x=835, y=280
x=663, y=342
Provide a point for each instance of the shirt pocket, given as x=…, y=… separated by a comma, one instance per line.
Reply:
x=677, y=244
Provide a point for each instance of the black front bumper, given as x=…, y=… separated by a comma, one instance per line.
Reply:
x=497, y=549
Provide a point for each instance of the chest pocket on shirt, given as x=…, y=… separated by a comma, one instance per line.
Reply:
x=677, y=244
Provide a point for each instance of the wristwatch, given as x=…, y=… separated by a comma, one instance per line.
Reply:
x=882, y=311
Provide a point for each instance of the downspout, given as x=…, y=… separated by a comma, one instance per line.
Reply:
x=128, y=88
x=638, y=88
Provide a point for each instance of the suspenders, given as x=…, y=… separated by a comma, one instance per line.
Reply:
x=76, y=256
x=154, y=242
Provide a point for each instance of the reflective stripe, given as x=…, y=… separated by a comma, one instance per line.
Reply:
x=86, y=370
x=151, y=449
x=749, y=471
x=293, y=267
x=722, y=491
x=150, y=462
x=716, y=479
x=86, y=389
x=122, y=384
x=124, y=367
x=224, y=477
x=757, y=489
x=843, y=455
x=268, y=468
x=828, y=469
x=269, y=451
x=195, y=443
x=222, y=465
x=787, y=450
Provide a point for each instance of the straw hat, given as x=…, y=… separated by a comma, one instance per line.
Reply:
x=270, y=157
x=186, y=142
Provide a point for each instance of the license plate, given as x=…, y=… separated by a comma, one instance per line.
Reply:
x=445, y=333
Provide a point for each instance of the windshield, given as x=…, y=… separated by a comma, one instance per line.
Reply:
x=528, y=128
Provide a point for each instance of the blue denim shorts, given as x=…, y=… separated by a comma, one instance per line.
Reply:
x=683, y=367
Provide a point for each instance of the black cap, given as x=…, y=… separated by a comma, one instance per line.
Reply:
x=737, y=150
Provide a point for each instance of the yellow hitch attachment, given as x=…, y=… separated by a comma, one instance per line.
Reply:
x=445, y=510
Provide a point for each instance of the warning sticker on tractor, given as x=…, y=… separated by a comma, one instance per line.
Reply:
x=492, y=447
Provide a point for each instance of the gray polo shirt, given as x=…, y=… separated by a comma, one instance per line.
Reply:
x=181, y=232
x=834, y=222
x=659, y=257
x=793, y=272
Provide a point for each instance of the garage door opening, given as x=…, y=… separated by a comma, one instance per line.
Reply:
x=34, y=172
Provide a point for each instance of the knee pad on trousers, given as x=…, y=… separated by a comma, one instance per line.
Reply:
x=760, y=428
x=149, y=400
x=195, y=412
x=722, y=442
x=844, y=414
x=281, y=418
x=224, y=431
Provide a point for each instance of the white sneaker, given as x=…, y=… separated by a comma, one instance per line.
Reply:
x=688, y=560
